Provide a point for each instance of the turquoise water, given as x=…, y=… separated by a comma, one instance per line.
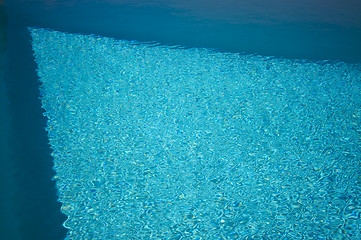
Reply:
x=159, y=142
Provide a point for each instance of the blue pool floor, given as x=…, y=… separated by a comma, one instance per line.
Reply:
x=161, y=142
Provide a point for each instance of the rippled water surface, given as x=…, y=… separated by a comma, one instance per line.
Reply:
x=180, y=119
x=156, y=142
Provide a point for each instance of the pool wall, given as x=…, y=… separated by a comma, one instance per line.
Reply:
x=29, y=205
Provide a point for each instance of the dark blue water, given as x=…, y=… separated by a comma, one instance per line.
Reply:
x=29, y=207
x=307, y=30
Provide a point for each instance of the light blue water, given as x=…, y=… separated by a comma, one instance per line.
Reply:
x=161, y=142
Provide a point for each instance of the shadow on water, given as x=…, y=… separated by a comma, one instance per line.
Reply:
x=28, y=202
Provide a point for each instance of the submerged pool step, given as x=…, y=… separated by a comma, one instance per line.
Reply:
x=154, y=142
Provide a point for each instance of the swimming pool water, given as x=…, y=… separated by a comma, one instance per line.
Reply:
x=162, y=142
